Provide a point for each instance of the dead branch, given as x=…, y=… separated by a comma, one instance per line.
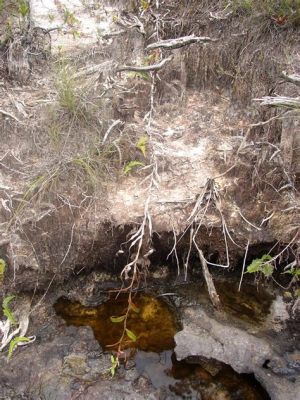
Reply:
x=244, y=265
x=113, y=34
x=291, y=78
x=112, y=126
x=280, y=101
x=171, y=44
x=9, y=115
x=208, y=278
x=105, y=66
x=148, y=68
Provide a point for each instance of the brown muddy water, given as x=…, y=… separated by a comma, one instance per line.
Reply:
x=155, y=325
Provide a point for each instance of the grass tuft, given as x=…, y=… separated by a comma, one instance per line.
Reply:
x=70, y=96
x=280, y=11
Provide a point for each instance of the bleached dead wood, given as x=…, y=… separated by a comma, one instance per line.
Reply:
x=291, y=78
x=110, y=35
x=179, y=42
x=208, y=279
x=280, y=101
x=8, y=114
x=112, y=126
x=148, y=68
x=105, y=66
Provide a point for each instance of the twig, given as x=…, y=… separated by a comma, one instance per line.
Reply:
x=175, y=251
x=112, y=34
x=248, y=222
x=8, y=114
x=69, y=247
x=291, y=78
x=105, y=66
x=112, y=126
x=244, y=265
x=148, y=68
x=280, y=101
x=171, y=44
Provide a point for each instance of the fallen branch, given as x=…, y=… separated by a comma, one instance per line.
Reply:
x=208, y=279
x=9, y=115
x=112, y=126
x=179, y=42
x=291, y=78
x=148, y=68
x=280, y=101
x=105, y=66
x=110, y=35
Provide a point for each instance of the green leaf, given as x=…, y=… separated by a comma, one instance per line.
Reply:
x=114, y=365
x=145, y=5
x=118, y=319
x=133, y=307
x=2, y=268
x=293, y=271
x=267, y=269
x=132, y=164
x=14, y=342
x=131, y=335
x=7, y=311
x=260, y=265
x=23, y=8
x=141, y=144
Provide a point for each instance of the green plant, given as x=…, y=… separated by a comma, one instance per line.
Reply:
x=261, y=265
x=23, y=8
x=51, y=17
x=2, y=268
x=88, y=167
x=75, y=33
x=14, y=342
x=126, y=334
x=70, y=96
x=280, y=11
x=145, y=4
x=132, y=165
x=7, y=311
x=141, y=144
x=293, y=271
x=1, y=6
x=130, y=335
x=114, y=365
x=69, y=18
x=66, y=88
x=54, y=133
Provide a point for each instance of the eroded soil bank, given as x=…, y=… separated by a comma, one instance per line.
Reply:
x=123, y=153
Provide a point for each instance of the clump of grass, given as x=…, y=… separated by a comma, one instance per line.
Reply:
x=23, y=7
x=281, y=11
x=2, y=269
x=70, y=96
x=1, y=6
